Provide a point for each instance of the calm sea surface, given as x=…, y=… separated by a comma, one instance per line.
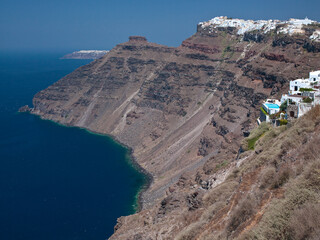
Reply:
x=56, y=183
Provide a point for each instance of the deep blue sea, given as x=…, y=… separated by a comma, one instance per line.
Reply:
x=56, y=183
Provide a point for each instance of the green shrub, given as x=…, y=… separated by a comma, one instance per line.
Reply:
x=283, y=106
x=306, y=89
x=307, y=100
x=276, y=115
x=283, y=122
x=250, y=141
x=264, y=111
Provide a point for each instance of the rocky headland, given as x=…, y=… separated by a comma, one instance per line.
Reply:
x=184, y=111
x=86, y=54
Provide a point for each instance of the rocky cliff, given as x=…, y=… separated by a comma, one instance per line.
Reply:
x=184, y=112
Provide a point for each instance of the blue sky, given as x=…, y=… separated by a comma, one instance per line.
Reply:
x=67, y=25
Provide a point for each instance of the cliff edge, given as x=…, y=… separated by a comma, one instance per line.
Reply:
x=184, y=112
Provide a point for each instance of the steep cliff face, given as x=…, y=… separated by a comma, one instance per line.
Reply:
x=182, y=110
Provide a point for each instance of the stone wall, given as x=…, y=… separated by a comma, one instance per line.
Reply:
x=292, y=111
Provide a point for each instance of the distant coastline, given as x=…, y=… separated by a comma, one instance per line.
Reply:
x=85, y=54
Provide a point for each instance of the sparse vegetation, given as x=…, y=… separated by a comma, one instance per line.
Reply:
x=250, y=141
x=219, y=195
x=182, y=112
x=242, y=213
x=221, y=165
x=283, y=106
x=281, y=178
x=296, y=215
x=190, y=232
x=267, y=177
x=283, y=122
x=305, y=222
x=276, y=223
x=264, y=111
x=276, y=115
x=307, y=100
x=273, y=194
x=306, y=89
x=226, y=50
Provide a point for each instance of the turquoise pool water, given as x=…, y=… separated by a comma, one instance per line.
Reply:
x=272, y=105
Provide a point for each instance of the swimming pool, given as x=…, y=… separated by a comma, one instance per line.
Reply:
x=272, y=105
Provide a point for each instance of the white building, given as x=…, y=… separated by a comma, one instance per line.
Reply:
x=271, y=106
x=314, y=76
x=293, y=98
x=299, y=100
x=316, y=98
x=295, y=85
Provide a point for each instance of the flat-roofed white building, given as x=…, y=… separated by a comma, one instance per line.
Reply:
x=295, y=86
x=293, y=98
x=271, y=106
x=314, y=76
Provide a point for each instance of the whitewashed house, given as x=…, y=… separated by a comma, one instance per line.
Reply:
x=314, y=76
x=295, y=85
x=269, y=107
x=303, y=94
x=292, y=98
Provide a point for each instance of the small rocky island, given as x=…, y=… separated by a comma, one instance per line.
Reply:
x=86, y=54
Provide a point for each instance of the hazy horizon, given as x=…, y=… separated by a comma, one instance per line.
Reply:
x=74, y=25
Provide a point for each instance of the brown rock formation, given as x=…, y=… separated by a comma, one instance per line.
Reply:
x=183, y=111
x=137, y=38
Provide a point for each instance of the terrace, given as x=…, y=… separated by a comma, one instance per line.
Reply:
x=271, y=106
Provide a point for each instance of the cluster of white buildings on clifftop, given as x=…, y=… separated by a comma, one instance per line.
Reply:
x=291, y=26
x=303, y=94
